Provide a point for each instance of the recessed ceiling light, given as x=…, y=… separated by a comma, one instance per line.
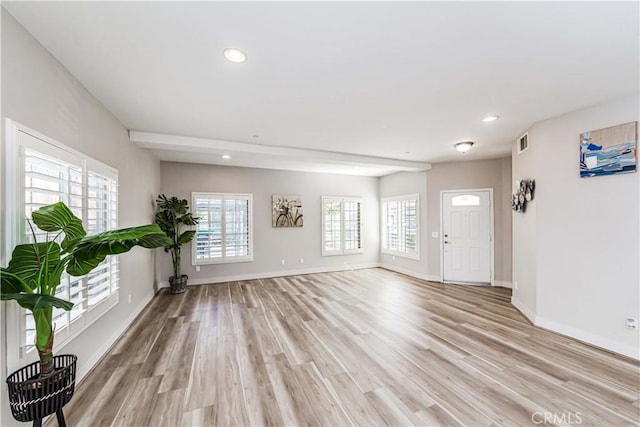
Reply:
x=226, y=156
x=490, y=119
x=235, y=55
x=256, y=136
x=464, y=146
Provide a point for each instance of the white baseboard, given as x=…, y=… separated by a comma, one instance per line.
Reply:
x=578, y=334
x=422, y=276
x=271, y=274
x=502, y=283
x=526, y=311
x=587, y=337
x=90, y=363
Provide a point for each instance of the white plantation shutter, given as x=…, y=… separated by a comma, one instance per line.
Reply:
x=102, y=215
x=224, y=231
x=236, y=227
x=341, y=225
x=332, y=225
x=49, y=179
x=409, y=223
x=352, y=225
x=49, y=172
x=400, y=225
x=390, y=225
x=208, y=239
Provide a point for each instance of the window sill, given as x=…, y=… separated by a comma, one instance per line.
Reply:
x=226, y=261
x=338, y=253
x=82, y=324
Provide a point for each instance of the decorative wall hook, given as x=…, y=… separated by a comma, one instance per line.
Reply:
x=523, y=195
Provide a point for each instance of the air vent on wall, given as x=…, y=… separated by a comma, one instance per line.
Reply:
x=523, y=143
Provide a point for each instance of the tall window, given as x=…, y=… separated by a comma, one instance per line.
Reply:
x=400, y=225
x=224, y=232
x=48, y=172
x=341, y=225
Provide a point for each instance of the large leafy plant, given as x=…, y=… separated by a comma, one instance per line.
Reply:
x=172, y=215
x=35, y=269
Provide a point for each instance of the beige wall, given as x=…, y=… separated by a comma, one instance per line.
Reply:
x=471, y=175
x=38, y=92
x=583, y=256
x=271, y=245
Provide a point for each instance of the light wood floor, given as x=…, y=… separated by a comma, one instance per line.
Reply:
x=367, y=347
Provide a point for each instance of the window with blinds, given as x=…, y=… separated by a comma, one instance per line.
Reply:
x=54, y=173
x=341, y=225
x=224, y=232
x=400, y=225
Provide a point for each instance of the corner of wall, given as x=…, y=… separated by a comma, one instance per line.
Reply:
x=556, y=288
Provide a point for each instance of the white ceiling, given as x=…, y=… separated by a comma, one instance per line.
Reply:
x=385, y=80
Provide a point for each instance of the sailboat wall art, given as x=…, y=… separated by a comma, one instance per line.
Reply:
x=609, y=151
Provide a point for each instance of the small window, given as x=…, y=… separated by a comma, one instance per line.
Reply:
x=224, y=232
x=523, y=143
x=465, y=200
x=341, y=226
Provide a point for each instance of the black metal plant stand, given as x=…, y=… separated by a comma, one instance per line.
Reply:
x=32, y=398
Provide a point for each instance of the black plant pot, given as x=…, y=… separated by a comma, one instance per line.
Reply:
x=32, y=398
x=178, y=286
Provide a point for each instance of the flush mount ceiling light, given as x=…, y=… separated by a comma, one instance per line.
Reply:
x=490, y=119
x=235, y=55
x=464, y=146
x=226, y=156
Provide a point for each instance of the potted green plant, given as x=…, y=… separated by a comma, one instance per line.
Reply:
x=32, y=278
x=172, y=215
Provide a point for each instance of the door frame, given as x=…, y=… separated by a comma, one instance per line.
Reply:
x=491, y=231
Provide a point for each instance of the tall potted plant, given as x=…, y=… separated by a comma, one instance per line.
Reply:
x=172, y=215
x=32, y=278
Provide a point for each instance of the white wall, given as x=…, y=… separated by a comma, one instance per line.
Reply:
x=586, y=248
x=525, y=232
x=37, y=91
x=506, y=224
x=271, y=245
x=400, y=184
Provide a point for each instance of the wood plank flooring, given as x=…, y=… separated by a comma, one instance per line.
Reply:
x=365, y=348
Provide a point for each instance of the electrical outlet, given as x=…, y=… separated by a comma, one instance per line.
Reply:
x=197, y=268
x=393, y=258
x=515, y=285
x=129, y=298
x=301, y=260
x=632, y=323
x=283, y=262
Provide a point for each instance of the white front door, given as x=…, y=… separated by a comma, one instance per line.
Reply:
x=466, y=236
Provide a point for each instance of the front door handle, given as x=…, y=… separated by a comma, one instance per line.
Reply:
x=446, y=241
